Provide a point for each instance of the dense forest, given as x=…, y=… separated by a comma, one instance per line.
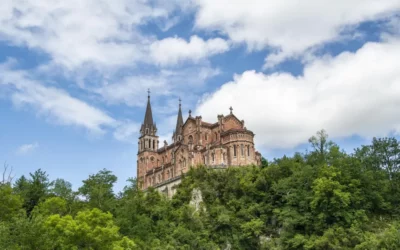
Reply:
x=321, y=199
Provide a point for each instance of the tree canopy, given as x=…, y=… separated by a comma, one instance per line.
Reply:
x=321, y=199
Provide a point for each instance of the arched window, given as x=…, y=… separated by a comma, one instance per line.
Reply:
x=190, y=139
x=216, y=136
x=234, y=150
x=205, y=137
x=248, y=150
x=147, y=131
x=154, y=144
x=168, y=174
x=242, y=149
x=212, y=157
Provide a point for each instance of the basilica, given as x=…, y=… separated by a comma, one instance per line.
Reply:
x=224, y=143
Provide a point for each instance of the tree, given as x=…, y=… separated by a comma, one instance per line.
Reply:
x=90, y=229
x=384, y=153
x=63, y=189
x=98, y=190
x=7, y=174
x=10, y=203
x=320, y=144
x=33, y=190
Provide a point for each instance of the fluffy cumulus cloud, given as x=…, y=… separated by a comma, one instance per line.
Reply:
x=99, y=34
x=76, y=33
x=352, y=93
x=132, y=90
x=127, y=131
x=289, y=27
x=51, y=102
x=170, y=51
x=27, y=148
x=108, y=49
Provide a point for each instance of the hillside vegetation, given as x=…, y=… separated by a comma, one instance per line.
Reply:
x=322, y=199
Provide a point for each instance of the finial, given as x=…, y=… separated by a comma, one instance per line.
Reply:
x=190, y=113
x=180, y=101
x=231, y=109
x=148, y=93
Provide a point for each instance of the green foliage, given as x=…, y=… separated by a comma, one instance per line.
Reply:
x=97, y=189
x=10, y=203
x=90, y=229
x=63, y=189
x=33, y=190
x=53, y=205
x=323, y=199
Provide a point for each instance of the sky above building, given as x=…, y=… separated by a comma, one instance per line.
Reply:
x=74, y=75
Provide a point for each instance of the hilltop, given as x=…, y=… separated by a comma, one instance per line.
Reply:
x=323, y=199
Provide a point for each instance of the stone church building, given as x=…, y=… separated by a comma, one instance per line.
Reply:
x=227, y=142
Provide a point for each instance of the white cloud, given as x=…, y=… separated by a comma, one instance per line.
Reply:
x=27, y=148
x=171, y=51
x=132, y=90
x=100, y=35
x=51, y=102
x=127, y=131
x=291, y=27
x=79, y=32
x=353, y=93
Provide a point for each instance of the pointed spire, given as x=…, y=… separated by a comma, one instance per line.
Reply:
x=148, y=118
x=179, y=121
x=148, y=126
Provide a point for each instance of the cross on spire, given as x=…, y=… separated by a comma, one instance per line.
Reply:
x=231, y=109
x=148, y=93
x=180, y=101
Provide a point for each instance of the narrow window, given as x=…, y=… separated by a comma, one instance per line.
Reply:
x=248, y=150
x=234, y=150
x=154, y=144
x=212, y=157
x=242, y=150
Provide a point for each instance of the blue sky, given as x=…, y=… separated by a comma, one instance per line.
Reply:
x=74, y=75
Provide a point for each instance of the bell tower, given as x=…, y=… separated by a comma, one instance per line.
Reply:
x=177, y=135
x=147, y=146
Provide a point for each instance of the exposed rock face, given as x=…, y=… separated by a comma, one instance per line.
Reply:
x=197, y=199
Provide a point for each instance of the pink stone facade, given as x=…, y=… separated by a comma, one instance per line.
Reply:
x=222, y=144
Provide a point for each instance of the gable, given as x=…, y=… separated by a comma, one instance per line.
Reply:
x=232, y=122
x=189, y=127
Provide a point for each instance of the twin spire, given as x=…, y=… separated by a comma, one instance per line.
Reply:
x=149, y=127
